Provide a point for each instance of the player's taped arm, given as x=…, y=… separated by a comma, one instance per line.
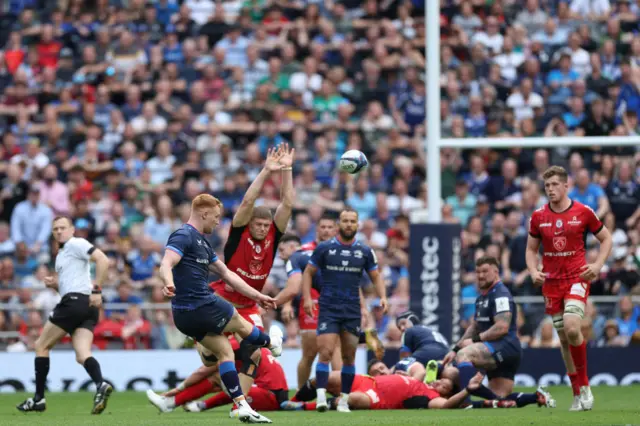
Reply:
x=291, y=290
x=499, y=329
x=307, y=281
x=606, y=244
x=234, y=280
x=170, y=259
x=284, y=210
x=245, y=210
x=531, y=254
x=102, y=267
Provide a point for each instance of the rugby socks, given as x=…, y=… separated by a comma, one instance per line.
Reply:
x=258, y=338
x=347, y=375
x=575, y=386
x=362, y=338
x=484, y=393
x=322, y=375
x=42, y=370
x=523, y=399
x=217, y=400
x=579, y=356
x=230, y=379
x=466, y=373
x=196, y=391
x=93, y=369
x=306, y=393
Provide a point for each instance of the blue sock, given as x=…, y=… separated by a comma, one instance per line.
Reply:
x=346, y=375
x=258, y=338
x=466, y=373
x=523, y=399
x=322, y=375
x=229, y=377
x=484, y=393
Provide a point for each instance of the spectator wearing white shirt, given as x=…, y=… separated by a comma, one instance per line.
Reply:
x=149, y=121
x=160, y=165
x=7, y=247
x=468, y=21
x=524, y=100
x=200, y=10
x=580, y=59
x=211, y=115
x=509, y=60
x=33, y=159
x=306, y=81
x=592, y=10
x=400, y=202
x=532, y=17
x=491, y=38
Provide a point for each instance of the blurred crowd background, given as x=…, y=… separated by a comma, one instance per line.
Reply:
x=119, y=112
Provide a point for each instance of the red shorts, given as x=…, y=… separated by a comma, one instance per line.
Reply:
x=305, y=321
x=251, y=314
x=262, y=399
x=557, y=292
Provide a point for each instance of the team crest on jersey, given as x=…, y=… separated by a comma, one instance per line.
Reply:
x=258, y=249
x=255, y=266
x=559, y=243
x=358, y=254
x=558, y=223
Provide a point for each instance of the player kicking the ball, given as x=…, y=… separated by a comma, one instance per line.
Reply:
x=341, y=262
x=201, y=314
x=561, y=227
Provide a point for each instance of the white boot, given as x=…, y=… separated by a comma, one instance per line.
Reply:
x=160, y=402
x=343, y=404
x=586, y=398
x=275, y=334
x=246, y=414
x=321, y=400
x=576, y=405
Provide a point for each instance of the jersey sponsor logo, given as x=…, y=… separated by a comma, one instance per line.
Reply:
x=358, y=254
x=578, y=289
x=502, y=304
x=483, y=319
x=246, y=274
x=332, y=252
x=322, y=326
x=255, y=266
x=559, y=243
x=574, y=221
x=343, y=268
x=545, y=225
x=560, y=254
x=203, y=261
x=345, y=253
x=199, y=242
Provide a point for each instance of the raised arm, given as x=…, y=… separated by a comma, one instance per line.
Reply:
x=245, y=210
x=231, y=278
x=283, y=212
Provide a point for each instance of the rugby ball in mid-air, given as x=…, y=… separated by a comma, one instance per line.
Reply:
x=353, y=161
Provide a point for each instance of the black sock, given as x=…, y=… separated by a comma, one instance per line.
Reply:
x=42, y=370
x=306, y=393
x=523, y=399
x=93, y=368
x=484, y=393
x=362, y=338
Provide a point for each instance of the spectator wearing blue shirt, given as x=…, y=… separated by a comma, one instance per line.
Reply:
x=475, y=123
x=124, y=296
x=576, y=115
x=31, y=222
x=362, y=200
x=478, y=177
x=628, y=319
x=462, y=203
x=589, y=194
x=560, y=80
x=270, y=139
x=24, y=264
x=143, y=263
x=629, y=96
x=165, y=9
x=172, y=50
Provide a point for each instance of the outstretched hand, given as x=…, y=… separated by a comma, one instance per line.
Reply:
x=272, y=163
x=287, y=155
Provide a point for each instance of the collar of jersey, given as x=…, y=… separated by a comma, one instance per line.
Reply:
x=194, y=228
x=487, y=291
x=343, y=244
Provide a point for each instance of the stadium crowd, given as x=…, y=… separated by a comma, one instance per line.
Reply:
x=119, y=112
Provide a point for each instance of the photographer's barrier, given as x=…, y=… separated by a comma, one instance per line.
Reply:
x=126, y=370
x=607, y=366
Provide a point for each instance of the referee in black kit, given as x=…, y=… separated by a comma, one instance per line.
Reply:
x=76, y=314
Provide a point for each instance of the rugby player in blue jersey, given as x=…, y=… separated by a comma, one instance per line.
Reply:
x=197, y=311
x=341, y=261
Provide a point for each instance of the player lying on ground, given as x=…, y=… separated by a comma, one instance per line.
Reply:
x=267, y=393
x=419, y=345
x=341, y=262
x=197, y=311
x=561, y=227
x=251, y=248
x=444, y=388
x=76, y=314
x=490, y=342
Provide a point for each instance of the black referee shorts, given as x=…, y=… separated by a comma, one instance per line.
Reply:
x=74, y=312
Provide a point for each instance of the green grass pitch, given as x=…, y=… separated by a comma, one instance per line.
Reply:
x=614, y=406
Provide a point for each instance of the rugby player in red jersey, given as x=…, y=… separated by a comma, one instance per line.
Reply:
x=252, y=246
x=268, y=392
x=561, y=227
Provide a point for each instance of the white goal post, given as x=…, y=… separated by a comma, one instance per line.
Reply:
x=434, y=141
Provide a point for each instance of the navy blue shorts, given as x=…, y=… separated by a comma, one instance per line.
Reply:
x=507, y=353
x=210, y=318
x=426, y=353
x=332, y=321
